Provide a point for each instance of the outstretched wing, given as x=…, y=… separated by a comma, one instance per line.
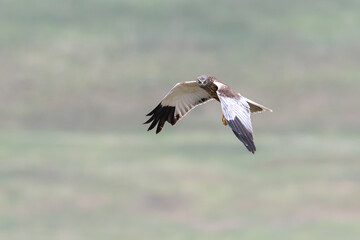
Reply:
x=236, y=111
x=177, y=103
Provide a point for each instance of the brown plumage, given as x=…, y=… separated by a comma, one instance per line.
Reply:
x=185, y=96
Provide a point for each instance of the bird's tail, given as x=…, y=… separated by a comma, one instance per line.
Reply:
x=255, y=107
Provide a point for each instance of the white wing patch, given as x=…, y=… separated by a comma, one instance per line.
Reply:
x=239, y=108
x=237, y=115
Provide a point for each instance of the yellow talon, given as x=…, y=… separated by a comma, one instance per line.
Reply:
x=223, y=120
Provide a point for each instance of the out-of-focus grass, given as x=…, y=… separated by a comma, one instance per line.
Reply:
x=99, y=64
x=102, y=65
x=125, y=185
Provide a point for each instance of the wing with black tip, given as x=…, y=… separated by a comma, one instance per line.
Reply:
x=177, y=103
x=236, y=111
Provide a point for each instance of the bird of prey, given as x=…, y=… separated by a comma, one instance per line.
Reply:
x=185, y=96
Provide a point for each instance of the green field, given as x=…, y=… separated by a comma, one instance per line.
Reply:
x=77, y=78
x=134, y=186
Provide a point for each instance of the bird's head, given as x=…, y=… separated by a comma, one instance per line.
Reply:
x=203, y=80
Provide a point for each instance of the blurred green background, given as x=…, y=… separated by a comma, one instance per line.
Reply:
x=78, y=76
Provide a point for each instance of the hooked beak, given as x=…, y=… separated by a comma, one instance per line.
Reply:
x=201, y=83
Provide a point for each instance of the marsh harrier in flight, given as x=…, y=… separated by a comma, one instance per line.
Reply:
x=185, y=96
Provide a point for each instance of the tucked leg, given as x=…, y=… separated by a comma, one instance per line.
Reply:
x=223, y=120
